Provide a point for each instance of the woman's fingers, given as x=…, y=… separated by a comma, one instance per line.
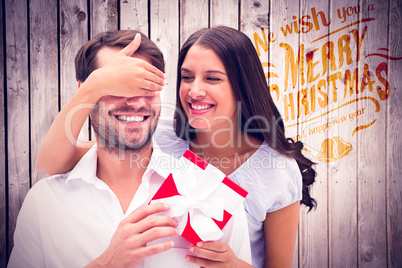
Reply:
x=154, y=74
x=145, y=75
x=129, y=76
x=158, y=76
x=203, y=262
x=132, y=47
x=216, y=246
x=211, y=253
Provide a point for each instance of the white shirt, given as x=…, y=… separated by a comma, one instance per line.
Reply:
x=273, y=181
x=68, y=220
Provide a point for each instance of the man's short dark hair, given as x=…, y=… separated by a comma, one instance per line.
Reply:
x=86, y=62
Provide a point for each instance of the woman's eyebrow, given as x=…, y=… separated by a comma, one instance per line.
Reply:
x=215, y=71
x=208, y=71
x=184, y=69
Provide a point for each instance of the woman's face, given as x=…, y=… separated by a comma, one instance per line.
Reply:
x=205, y=91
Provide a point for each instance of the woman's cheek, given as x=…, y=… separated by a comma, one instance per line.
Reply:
x=183, y=93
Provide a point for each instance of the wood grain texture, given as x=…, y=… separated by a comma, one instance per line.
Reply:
x=254, y=16
x=394, y=139
x=103, y=16
x=134, y=15
x=165, y=33
x=73, y=34
x=372, y=233
x=3, y=181
x=17, y=110
x=358, y=219
x=194, y=16
x=313, y=227
x=224, y=12
x=278, y=14
x=43, y=75
x=342, y=178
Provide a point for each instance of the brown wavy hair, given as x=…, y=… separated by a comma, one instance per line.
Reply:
x=86, y=60
x=249, y=85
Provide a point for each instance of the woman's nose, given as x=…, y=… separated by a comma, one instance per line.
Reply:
x=197, y=90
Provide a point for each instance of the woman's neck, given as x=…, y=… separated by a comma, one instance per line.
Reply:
x=224, y=149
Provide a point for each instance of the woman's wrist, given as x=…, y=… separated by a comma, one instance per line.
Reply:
x=92, y=89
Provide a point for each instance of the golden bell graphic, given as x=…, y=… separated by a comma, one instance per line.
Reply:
x=344, y=147
x=333, y=149
x=328, y=151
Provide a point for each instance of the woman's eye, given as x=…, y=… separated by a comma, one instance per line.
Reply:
x=186, y=77
x=213, y=79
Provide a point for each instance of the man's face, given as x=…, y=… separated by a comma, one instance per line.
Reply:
x=124, y=123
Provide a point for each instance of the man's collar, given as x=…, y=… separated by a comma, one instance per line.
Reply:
x=86, y=168
x=162, y=163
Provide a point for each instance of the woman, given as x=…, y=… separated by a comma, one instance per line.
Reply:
x=226, y=115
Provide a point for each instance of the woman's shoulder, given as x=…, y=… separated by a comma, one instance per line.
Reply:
x=268, y=161
x=272, y=179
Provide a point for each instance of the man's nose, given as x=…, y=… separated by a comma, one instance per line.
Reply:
x=136, y=101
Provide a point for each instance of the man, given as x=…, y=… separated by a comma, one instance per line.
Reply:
x=97, y=214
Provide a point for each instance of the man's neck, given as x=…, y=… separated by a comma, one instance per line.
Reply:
x=123, y=172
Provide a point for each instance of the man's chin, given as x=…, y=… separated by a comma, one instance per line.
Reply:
x=133, y=140
x=137, y=144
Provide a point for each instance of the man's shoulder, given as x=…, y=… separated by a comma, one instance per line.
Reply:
x=50, y=182
x=44, y=188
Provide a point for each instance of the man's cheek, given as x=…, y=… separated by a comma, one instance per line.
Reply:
x=156, y=99
x=155, y=103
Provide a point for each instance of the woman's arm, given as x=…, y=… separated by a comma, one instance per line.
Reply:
x=59, y=152
x=280, y=236
x=123, y=76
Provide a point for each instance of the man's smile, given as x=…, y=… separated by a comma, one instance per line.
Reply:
x=131, y=119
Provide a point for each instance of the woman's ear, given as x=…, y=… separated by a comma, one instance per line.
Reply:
x=79, y=84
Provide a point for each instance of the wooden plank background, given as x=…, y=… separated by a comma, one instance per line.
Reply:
x=358, y=222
